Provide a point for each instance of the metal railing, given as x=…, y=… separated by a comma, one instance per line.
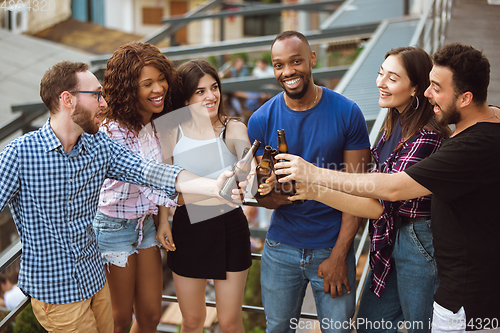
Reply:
x=10, y=255
x=14, y=252
x=431, y=28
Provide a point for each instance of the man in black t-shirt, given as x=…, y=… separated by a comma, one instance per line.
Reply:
x=464, y=178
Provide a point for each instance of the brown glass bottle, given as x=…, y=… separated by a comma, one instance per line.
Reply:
x=287, y=188
x=274, y=152
x=264, y=168
x=241, y=169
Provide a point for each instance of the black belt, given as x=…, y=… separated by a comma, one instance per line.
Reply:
x=399, y=220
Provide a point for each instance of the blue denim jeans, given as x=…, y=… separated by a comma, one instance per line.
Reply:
x=410, y=287
x=285, y=273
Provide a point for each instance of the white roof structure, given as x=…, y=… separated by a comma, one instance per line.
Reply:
x=23, y=61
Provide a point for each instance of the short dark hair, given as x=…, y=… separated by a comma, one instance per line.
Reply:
x=290, y=33
x=470, y=68
x=61, y=77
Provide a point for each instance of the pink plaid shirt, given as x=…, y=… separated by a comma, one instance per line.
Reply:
x=128, y=201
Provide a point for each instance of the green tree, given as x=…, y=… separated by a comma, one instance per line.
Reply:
x=253, y=322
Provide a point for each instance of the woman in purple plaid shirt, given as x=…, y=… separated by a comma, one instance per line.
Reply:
x=403, y=270
x=138, y=84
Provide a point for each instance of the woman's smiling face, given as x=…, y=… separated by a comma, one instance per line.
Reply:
x=394, y=84
x=207, y=95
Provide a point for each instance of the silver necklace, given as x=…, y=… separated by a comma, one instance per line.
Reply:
x=494, y=115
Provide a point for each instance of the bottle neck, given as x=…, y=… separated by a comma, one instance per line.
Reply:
x=282, y=146
x=264, y=164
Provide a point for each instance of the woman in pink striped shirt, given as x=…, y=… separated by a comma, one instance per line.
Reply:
x=138, y=84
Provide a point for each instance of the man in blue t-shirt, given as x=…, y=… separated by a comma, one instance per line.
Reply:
x=310, y=242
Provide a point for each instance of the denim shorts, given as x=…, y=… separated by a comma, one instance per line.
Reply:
x=118, y=238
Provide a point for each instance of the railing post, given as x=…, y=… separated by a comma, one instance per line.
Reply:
x=433, y=27
x=406, y=7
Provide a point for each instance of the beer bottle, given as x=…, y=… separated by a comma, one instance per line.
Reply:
x=241, y=169
x=287, y=188
x=264, y=168
x=274, y=152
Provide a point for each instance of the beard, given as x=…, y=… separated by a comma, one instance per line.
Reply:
x=301, y=93
x=84, y=119
x=451, y=116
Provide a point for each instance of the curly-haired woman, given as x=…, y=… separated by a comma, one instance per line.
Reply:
x=138, y=84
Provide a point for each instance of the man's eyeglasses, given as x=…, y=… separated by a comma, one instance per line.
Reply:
x=98, y=93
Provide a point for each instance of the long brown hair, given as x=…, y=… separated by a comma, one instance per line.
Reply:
x=190, y=73
x=121, y=83
x=418, y=65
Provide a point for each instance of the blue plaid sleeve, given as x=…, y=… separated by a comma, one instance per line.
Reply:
x=9, y=184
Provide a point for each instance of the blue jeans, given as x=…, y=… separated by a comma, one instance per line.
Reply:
x=285, y=273
x=410, y=287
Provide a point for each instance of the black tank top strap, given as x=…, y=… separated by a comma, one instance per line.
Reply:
x=224, y=130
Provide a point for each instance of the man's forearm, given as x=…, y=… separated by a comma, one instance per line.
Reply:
x=374, y=185
x=390, y=187
x=348, y=230
x=378, y=186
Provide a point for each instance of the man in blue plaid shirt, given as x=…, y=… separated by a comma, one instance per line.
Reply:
x=51, y=180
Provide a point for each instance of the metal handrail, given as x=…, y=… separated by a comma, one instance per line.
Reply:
x=11, y=254
x=252, y=43
x=29, y=113
x=15, y=250
x=169, y=29
x=259, y=9
x=431, y=28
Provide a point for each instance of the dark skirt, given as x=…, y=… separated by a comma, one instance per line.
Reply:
x=210, y=248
